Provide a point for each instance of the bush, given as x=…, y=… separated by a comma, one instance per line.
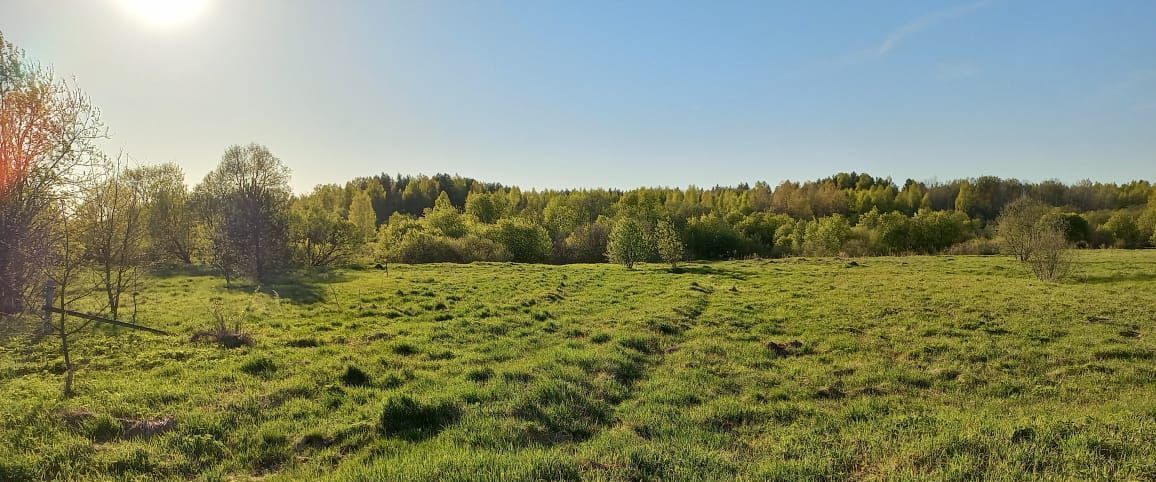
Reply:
x=712, y=237
x=417, y=247
x=525, y=241
x=420, y=247
x=407, y=418
x=825, y=237
x=1051, y=257
x=977, y=246
x=587, y=244
x=475, y=248
x=1035, y=237
x=226, y=331
x=1017, y=227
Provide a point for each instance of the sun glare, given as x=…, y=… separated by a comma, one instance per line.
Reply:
x=164, y=13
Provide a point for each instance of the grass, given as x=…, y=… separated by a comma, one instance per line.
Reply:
x=914, y=368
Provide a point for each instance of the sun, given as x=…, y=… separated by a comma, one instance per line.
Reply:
x=164, y=13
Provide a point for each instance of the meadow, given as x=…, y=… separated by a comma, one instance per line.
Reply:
x=889, y=368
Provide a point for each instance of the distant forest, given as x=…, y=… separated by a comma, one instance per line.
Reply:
x=67, y=207
x=449, y=218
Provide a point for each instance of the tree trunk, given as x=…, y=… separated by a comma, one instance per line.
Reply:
x=67, y=358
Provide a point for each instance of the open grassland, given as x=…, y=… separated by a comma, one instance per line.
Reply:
x=916, y=368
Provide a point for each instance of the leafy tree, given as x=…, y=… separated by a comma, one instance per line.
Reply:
x=965, y=201
x=525, y=241
x=1078, y=229
x=711, y=236
x=362, y=214
x=320, y=236
x=245, y=205
x=669, y=243
x=789, y=237
x=172, y=233
x=113, y=228
x=48, y=131
x=934, y=231
x=69, y=273
x=485, y=207
x=587, y=244
x=825, y=237
x=445, y=218
x=1146, y=222
x=1123, y=228
x=628, y=243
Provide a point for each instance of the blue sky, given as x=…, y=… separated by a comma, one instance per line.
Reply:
x=622, y=94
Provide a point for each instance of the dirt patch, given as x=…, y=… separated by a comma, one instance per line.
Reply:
x=106, y=429
x=147, y=428
x=75, y=418
x=786, y=348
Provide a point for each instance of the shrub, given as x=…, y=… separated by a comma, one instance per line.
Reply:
x=421, y=247
x=825, y=237
x=712, y=237
x=977, y=246
x=1050, y=259
x=475, y=248
x=587, y=244
x=525, y=241
x=1124, y=230
x=225, y=332
x=1016, y=227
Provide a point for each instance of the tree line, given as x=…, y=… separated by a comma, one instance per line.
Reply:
x=65, y=204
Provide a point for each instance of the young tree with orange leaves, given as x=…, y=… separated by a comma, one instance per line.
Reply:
x=47, y=133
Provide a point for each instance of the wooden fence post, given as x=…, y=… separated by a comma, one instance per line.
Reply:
x=49, y=300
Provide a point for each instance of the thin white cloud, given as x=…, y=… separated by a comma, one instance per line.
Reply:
x=897, y=37
x=901, y=34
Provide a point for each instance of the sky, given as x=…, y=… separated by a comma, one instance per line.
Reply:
x=553, y=94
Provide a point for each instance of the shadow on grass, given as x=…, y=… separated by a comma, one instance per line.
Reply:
x=301, y=287
x=710, y=270
x=1118, y=278
x=168, y=270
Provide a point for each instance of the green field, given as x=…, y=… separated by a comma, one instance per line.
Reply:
x=907, y=368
